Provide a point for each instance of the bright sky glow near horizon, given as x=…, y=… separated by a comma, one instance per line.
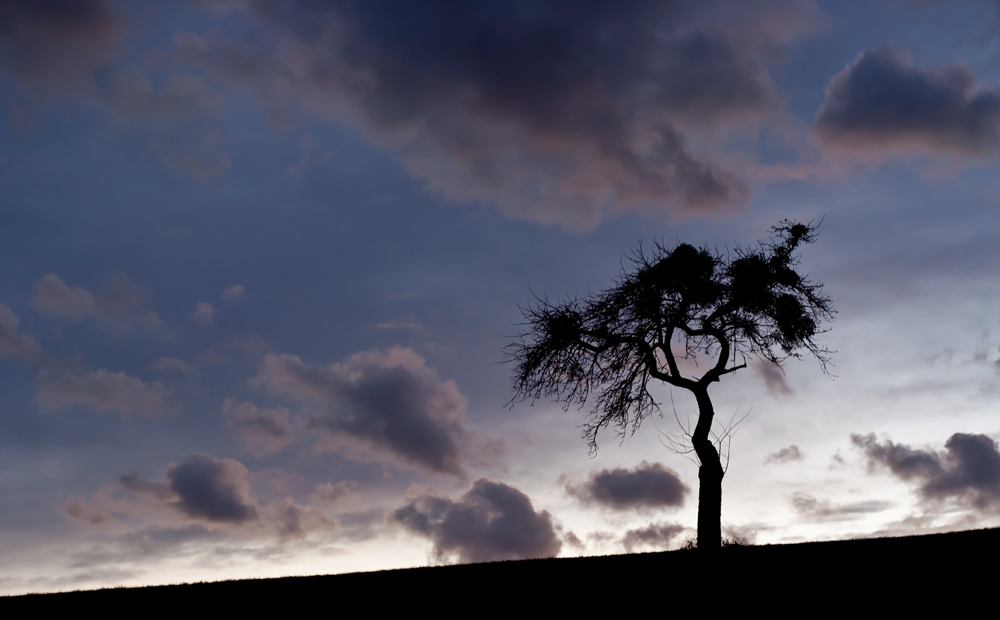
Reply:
x=258, y=260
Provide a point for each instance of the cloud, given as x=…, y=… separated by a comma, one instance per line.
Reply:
x=556, y=114
x=167, y=365
x=13, y=343
x=263, y=431
x=656, y=535
x=648, y=485
x=78, y=509
x=492, y=522
x=181, y=114
x=103, y=391
x=394, y=324
x=208, y=488
x=774, y=378
x=388, y=404
x=203, y=314
x=234, y=292
x=968, y=471
x=341, y=496
x=813, y=509
x=883, y=101
x=53, y=44
x=785, y=455
x=290, y=520
x=121, y=307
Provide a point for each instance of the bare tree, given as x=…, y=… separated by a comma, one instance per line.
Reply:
x=673, y=304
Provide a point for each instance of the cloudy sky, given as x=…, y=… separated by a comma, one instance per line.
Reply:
x=259, y=259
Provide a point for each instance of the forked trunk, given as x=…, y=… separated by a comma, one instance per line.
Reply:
x=709, y=476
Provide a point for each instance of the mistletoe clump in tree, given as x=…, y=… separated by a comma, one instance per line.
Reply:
x=675, y=303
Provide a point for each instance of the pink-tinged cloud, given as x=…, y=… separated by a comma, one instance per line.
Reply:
x=121, y=307
x=263, y=431
x=53, y=44
x=234, y=292
x=558, y=114
x=492, y=522
x=341, y=497
x=291, y=521
x=203, y=315
x=883, y=101
x=173, y=365
x=388, y=404
x=12, y=342
x=104, y=392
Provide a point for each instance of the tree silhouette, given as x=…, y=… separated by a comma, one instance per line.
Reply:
x=673, y=304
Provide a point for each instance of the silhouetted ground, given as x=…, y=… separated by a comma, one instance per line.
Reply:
x=945, y=573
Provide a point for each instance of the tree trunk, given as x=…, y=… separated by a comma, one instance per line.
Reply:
x=709, y=476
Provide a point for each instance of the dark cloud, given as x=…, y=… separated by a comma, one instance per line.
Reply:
x=968, y=470
x=785, y=455
x=389, y=404
x=492, y=522
x=649, y=485
x=813, y=509
x=774, y=378
x=655, y=535
x=882, y=100
x=52, y=43
x=212, y=489
x=554, y=111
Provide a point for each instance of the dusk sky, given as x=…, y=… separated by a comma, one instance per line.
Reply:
x=259, y=260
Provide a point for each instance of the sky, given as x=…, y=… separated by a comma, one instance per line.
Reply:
x=259, y=261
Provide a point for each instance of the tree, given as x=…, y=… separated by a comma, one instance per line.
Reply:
x=606, y=348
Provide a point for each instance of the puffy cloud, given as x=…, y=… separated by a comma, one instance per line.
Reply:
x=813, y=509
x=203, y=314
x=14, y=343
x=785, y=455
x=389, y=404
x=968, y=470
x=648, y=485
x=212, y=489
x=234, y=292
x=121, y=307
x=103, y=391
x=54, y=43
x=492, y=522
x=263, y=431
x=883, y=100
x=554, y=112
x=656, y=535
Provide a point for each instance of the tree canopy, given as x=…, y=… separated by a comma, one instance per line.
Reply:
x=674, y=303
